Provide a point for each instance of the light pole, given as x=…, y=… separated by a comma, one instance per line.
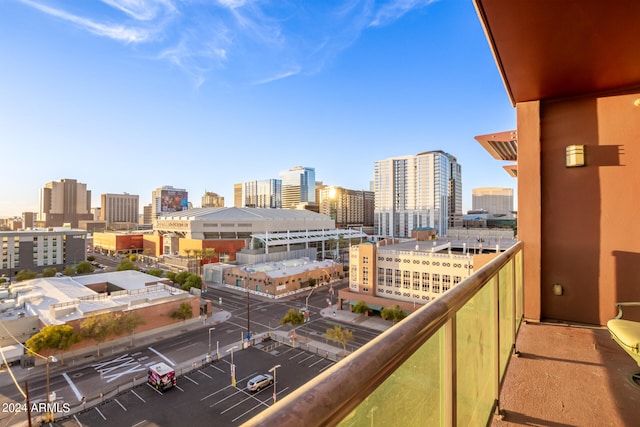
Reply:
x=248, y=310
x=210, y=329
x=274, y=381
x=233, y=367
x=49, y=359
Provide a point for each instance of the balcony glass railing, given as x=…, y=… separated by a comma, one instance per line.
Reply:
x=443, y=365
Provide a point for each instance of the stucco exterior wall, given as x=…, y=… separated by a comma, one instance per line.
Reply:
x=586, y=238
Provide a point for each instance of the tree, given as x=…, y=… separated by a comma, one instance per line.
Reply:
x=187, y=252
x=293, y=317
x=155, y=272
x=129, y=321
x=53, y=337
x=311, y=282
x=49, y=272
x=98, y=327
x=69, y=271
x=192, y=281
x=360, y=307
x=395, y=314
x=126, y=265
x=183, y=312
x=197, y=253
x=91, y=258
x=84, y=267
x=132, y=258
x=181, y=278
x=171, y=275
x=25, y=275
x=208, y=254
x=340, y=335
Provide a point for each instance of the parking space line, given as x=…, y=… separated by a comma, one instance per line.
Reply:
x=178, y=387
x=205, y=374
x=125, y=409
x=326, y=367
x=306, y=358
x=246, y=412
x=103, y=417
x=299, y=354
x=138, y=396
x=154, y=389
x=315, y=363
x=215, y=367
x=185, y=376
x=77, y=420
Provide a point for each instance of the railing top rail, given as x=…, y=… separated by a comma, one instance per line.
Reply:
x=330, y=397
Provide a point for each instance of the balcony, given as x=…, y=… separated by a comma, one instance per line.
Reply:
x=469, y=359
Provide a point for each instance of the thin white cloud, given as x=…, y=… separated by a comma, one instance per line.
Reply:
x=393, y=10
x=113, y=31
x=248, y=41
x=280, y=76
x=142, y=10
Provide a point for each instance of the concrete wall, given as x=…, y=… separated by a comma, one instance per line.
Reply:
x=578, y=224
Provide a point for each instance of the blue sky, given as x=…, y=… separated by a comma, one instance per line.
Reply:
x=131, y=95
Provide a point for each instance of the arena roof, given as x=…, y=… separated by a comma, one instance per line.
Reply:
x=235, y=214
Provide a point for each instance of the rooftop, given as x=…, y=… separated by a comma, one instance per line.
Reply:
x=235, y=214
x=288, y=267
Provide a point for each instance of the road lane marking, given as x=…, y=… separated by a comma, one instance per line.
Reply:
x=171, y=362
x=138, y=396
x=73, y=387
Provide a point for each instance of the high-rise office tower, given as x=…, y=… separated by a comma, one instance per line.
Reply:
x=494, y=200
x=212, y=200
x=119, y=208
x=167, y=199
x=298, y=187
x=416, y=192
x=266, y=193
x=64, y=202
x=349, y=208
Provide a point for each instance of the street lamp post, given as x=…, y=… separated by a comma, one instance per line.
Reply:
x=248, y=310
x=274, y=381
x=209, y=353
x=49, y=359
x=233, y=367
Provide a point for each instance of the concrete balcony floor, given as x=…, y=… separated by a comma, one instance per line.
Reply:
x=569, y=375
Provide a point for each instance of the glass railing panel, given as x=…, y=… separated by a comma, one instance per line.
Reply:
x=519, y=278
x=506, y=313
x=411, y=396
x=475, y=346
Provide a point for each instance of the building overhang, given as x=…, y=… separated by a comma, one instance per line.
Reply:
x=551, y=49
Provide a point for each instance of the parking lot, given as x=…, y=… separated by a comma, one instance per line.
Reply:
x=205, y=395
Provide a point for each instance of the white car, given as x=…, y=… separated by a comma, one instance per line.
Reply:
x=259, y=382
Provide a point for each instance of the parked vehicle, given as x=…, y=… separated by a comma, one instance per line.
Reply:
x=259, y=382
x=161, y=376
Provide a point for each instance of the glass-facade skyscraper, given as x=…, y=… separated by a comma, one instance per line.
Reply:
x=298, y=186
x=266, y=193
x=417, y=191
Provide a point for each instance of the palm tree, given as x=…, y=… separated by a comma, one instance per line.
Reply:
x=197, y=253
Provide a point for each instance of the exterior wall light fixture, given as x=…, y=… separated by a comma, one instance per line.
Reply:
x=574, y=156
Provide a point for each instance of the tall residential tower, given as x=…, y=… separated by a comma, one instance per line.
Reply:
x=64, y=202
x=298, y=187
x=416, y=192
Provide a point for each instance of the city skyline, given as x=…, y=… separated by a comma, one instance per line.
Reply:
x=130, y=96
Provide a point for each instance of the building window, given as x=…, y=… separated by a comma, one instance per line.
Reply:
x=456, y=280
x=389, y=277
x=446, y=282
x=365, y=260
x=416, y=281
x=435, y=287
x=406, y=279
x=425, y=282
x=380, y=276
x=365, y=275
x=397, y=278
